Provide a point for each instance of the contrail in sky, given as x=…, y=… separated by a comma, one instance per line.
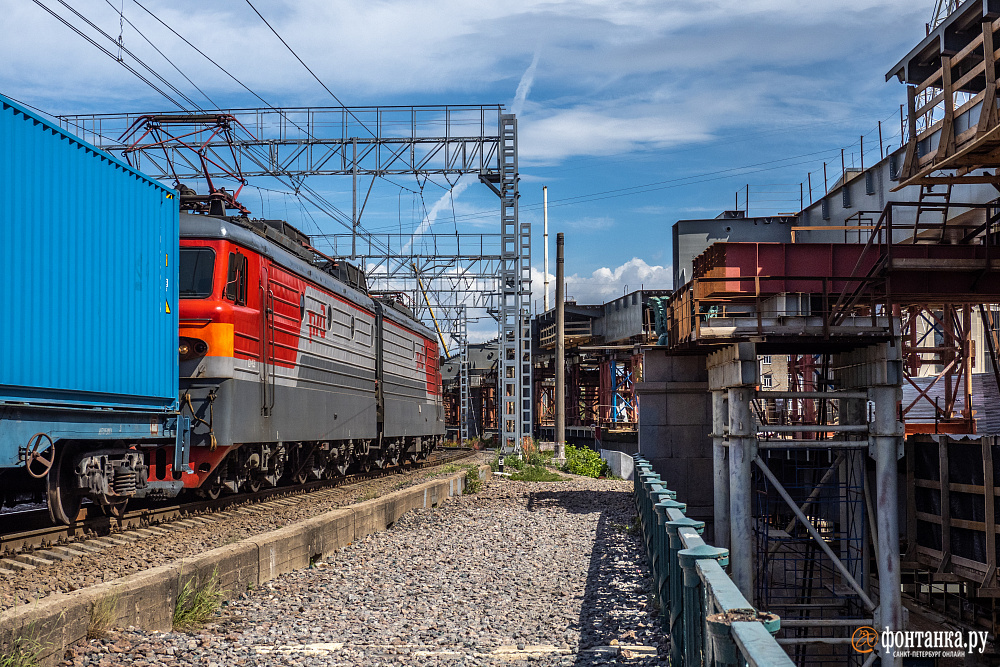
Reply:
x=524, y=87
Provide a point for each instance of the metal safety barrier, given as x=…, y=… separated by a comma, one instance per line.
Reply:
x=709, y=622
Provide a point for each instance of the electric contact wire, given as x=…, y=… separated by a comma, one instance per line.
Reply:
x=122, y=49
x=254, y=151
x=303, y=63
x=163, y=55
x=137, y=74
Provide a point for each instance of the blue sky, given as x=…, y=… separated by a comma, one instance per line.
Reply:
x=634, y=113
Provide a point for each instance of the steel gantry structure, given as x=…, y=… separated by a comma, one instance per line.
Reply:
x=466, y=272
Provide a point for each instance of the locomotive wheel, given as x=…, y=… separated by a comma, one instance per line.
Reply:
x=340, y=469
x=212, y=488
x=252, y=484
x=63, y=502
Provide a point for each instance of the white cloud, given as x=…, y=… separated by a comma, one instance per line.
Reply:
x=605, y=283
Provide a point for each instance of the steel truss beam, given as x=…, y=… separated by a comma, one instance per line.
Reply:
x=319, y=141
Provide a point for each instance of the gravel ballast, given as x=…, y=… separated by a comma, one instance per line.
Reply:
x=547, y=573
x=190, y=538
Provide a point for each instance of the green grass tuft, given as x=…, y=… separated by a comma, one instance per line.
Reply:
x=103, y=614
x=473, y=482
x=535, y=473
x=197, y=603
x=25, y=650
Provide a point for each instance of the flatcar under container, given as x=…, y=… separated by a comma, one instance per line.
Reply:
x=88, y=316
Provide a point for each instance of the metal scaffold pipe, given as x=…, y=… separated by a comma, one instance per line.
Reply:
x=560, y=435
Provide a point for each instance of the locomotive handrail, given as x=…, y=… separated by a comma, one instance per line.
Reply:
x=709, y=621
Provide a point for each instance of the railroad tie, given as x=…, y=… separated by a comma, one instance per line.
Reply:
x=16, y=566
x=69, y=551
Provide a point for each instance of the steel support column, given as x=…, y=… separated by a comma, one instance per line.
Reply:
x=720, y=468
x=742, y=450
x=887, y=440
x=464, y=405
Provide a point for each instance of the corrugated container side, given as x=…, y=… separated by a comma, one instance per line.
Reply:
x=88, y=272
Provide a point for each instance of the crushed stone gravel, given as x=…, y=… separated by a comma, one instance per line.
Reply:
x=520, y=573
x=220, y=528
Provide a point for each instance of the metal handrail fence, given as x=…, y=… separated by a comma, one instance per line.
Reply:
x=709, y=622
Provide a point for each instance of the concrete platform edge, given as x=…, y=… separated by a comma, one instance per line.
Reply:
x=146, y=599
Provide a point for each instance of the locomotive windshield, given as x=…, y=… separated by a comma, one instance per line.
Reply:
x=196, y=268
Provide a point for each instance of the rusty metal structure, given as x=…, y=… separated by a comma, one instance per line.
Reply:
x=868, y=482
x=604, y=363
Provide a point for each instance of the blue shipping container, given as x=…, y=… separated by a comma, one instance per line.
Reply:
x=88, y=273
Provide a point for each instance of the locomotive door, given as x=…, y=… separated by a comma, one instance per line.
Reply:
x=379, y=392
x=267, y=347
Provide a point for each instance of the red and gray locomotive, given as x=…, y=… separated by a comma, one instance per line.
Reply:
x=288, y=367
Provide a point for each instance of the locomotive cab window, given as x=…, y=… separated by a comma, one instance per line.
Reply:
x=236, y=279
x=196, y=267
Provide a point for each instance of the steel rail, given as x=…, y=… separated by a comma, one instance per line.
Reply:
x=16, y=537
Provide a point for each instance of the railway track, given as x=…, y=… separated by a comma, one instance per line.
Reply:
x=24, y=532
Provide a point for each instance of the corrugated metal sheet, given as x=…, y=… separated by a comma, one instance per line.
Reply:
x=985, y=401
x=88, y=272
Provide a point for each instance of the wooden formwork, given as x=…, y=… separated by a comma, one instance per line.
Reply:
x=951, y=508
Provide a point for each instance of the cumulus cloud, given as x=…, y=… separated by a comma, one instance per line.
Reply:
x=604, y=284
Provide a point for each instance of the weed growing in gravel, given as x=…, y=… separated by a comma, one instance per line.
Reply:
x=103, y=614
x=370, y=494
x=473, y=483
x=585, y=461
x=196, y=603
x=510, y=463
x=24, y=650
x=536, y=473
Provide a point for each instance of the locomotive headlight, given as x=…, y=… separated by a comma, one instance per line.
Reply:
x=189, y=348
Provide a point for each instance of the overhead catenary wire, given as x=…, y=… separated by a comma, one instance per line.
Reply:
x=253, y=152
x=262, y=161
x=121, y=13
x=111, y=55
x=303, y=63
x=121, y=49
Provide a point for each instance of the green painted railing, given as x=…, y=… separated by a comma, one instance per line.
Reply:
x=709, y=622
